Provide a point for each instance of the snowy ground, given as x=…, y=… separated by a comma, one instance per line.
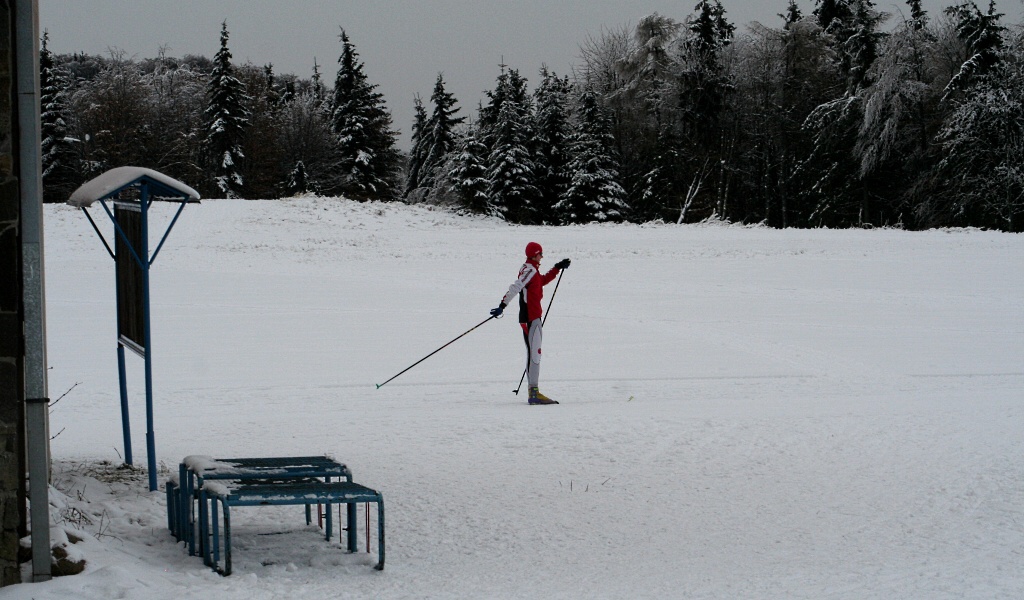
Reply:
x=746, y=413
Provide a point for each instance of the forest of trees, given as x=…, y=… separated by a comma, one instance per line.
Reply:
x=842, y=116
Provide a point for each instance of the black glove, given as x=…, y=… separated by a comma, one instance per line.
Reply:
x=496, y=312
x=563, y=264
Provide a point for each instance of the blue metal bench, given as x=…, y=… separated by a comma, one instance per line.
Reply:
x=183, y=494
x=231, y=494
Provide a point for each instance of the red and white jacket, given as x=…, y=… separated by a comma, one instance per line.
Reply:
x=530, y=287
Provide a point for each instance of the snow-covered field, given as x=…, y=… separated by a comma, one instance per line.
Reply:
x=746, y=412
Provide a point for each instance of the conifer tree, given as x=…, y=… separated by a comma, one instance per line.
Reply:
x=469, y=174
x=704, y=90
x=918, y=16
x=792, y=14
x=594, y=193
x=58, y=155
x=711, y=31
x=510, y=87
x=981, y=173
x=511, y=172
x=843, y=193
x=861, y=48
x=288, y=94
x=317, y=82
x=703, y=85
x=272, y=94
x=226, y=119
x=980, y=178
x=298, y=181
x=833, y=14
x=983, y=36
x=420, y=144
x=440, y=138
x=505, y=127
x=553, y=132
x=367, y=158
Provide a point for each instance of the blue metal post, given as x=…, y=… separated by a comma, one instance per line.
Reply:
x=353, y=524
x=150, y=438
x=214, y=545
x=380, y=533
x=125, y=424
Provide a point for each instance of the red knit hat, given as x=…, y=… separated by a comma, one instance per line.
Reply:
x=533, y=249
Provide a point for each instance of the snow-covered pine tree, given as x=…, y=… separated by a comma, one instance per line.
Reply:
x=833, y=15
x=842, y=193
x=980, y=179
x=272, y=94
x=440, y=133
x=553, y=132
x=983, y=34
x=861, y=48
x=792, y=15
x=852, y=27
x=288, y=93
x=468, y=176
x=367, y=157
x=298, y=181
x=225, y=121
x=982, y=169
x=594, y=194
x=317, y=82
x=703, y=85
x=510, y=87
x=420, y=144
x=58, y=154
x=511, y=172
x=918, y=16
x=710, y=30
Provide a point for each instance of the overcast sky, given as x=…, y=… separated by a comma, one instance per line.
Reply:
x=403, y=43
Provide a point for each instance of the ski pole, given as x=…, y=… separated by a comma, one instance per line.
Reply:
x=380, y=385
x=542, y=322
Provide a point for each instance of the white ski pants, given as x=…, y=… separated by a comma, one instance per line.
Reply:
x=532, y=335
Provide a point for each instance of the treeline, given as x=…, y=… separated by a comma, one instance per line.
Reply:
x=842, y=117
x=227, y=130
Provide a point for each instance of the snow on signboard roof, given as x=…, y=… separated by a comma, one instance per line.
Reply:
x=120, y=178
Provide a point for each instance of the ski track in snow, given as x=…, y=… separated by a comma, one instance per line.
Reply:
x=747, y=413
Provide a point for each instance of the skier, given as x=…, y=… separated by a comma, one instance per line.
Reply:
x=530, y=287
